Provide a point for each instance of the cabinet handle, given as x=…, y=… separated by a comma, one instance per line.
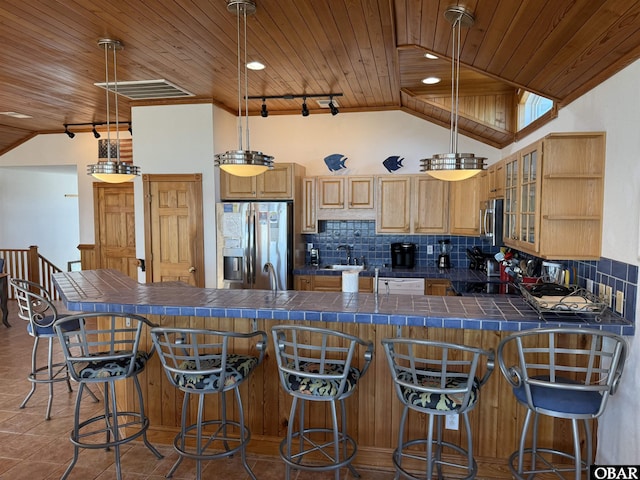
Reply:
x=192, y=269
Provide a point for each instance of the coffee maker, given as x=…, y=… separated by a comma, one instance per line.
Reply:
x=403, y=255
x=444, y=260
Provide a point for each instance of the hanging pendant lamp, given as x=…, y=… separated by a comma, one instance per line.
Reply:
x=110, y=168
x=454, y=166
x=241, y=162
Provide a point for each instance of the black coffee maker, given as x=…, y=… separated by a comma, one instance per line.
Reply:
x=444, y=260
x=403, y=255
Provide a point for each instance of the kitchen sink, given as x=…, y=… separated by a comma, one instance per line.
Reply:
x=355, y=268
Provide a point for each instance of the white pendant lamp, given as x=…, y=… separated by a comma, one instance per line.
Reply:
x=241, y=162
x=454, y=166
x=110, y=168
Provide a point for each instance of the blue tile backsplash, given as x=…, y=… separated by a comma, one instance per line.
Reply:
x=375, y=248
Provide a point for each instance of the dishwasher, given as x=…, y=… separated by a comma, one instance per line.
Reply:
x=401, y=286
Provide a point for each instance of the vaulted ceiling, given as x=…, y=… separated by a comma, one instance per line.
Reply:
x=371, y=51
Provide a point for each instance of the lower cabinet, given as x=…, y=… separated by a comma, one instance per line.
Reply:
x=329, y=283
x=438, y=286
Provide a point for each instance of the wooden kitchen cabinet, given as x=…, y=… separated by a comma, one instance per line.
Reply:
x=309, y=222
x=329, y=283
x=345, y=198
x=464, y=207
x=393, y=205
x=554, y=197
x=496, y=180
x=275, y=184
x=438, y=286
x=429, y=212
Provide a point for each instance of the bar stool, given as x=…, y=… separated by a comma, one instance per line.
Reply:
x=34, y=306
x=560, y=373
x=104, y=349
x=198, y=362
x=441, y=380
x=319, y=365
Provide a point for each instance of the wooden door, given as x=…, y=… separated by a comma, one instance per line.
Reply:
x=233, y=187
x=174, y=228
x=360, y=192
x=464, y=207
x=393, y=204
x=277, y=183
x=330, y=192
x=114, y=220
x=430, y=200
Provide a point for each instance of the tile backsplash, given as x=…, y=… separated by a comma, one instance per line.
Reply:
x=375, y=248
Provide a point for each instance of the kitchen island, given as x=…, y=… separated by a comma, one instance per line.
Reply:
x=374, y=411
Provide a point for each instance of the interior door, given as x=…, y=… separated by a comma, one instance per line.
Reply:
x=114, y=218
x=174, y=238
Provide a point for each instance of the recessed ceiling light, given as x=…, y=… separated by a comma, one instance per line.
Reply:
x=430, y=56
x=16, y=115
x=431, y=80
x=255, y=66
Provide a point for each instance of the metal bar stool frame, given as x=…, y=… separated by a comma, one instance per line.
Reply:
x=555, y=380
x=439, y=379
x=199, y=362
x=319, y=371
x=105, y=354
x=35, y=307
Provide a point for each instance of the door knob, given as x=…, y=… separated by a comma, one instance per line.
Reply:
x=192, y=269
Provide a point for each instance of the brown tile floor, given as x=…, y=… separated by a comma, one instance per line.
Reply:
x=33, y=448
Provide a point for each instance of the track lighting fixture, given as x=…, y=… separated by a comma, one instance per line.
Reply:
x=305, y=109
x=332, y=107
x=95, y=132
x=70, y=134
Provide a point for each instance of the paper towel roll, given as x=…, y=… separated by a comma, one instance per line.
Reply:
x=350, y=281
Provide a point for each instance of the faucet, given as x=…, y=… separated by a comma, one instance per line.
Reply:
x=273, y=278
x=347, y=249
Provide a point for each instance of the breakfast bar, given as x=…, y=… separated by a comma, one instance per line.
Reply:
x=374, y=411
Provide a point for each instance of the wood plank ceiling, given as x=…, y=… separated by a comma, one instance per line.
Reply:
x=371, y=51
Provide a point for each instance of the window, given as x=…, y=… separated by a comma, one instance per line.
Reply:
x=531, y=107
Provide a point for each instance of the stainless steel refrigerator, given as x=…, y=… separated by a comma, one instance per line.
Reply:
x=254, y=245
x=491, y=221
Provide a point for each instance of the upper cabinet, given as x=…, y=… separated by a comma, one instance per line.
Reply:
x=309, y=222
x=411, y=204
x=554, y=197
x=346, y=198
x=496, y=180
x=464, y=206
x=274, y=184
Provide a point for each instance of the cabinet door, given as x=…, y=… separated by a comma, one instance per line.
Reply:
x=327, y=283
x=277, y=183
x=233, y=187
x=330, y=192
x=483, y=186
x=309, y=220
x=430, y=205
x=360, y=192
x=393, y=204
x=303, y=282
x=365, y=284
x=437, y=286
x=496, y=180
x=511, y=168
x=464, y=207
x=529, y=207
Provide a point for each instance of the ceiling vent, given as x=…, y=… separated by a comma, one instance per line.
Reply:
x=146, y=89
x=324, y=103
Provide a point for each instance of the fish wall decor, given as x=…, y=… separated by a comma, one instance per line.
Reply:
x=335, y=162
x=393, y=163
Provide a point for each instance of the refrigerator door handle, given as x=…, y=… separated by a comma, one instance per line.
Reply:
x=252, y=248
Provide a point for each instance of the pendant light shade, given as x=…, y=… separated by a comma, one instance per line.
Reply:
x=241, y=162
x=454, y=166
x=110, y=168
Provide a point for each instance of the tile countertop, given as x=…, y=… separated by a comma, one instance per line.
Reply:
x=112, y=291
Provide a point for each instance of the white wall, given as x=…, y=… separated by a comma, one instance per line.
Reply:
x=39, y=206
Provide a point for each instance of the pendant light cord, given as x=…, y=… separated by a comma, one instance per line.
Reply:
x=106, y=77
x=455, y=82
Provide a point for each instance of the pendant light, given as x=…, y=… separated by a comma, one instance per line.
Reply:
x=110, y=168
x=241, y=162
x=454, y=166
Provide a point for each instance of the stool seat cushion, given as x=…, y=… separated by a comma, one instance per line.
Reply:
x=238, y=367
x=561, y=400
x=109, y=369
x=321, y=387
x=44, y=327
x=444, y=402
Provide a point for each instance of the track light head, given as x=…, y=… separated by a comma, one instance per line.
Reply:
x=305, y=109
x=332, y=107
x=264, y=113
x=69, y=134
x=95, y=132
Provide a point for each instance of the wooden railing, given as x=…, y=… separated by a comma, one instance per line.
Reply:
x=28, y=264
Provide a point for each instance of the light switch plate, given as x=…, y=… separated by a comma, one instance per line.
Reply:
x=620, y=302
x=590, y=285
x=608, y=295
x=429, y=249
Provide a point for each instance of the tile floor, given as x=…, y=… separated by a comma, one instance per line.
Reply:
x=36, y=449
